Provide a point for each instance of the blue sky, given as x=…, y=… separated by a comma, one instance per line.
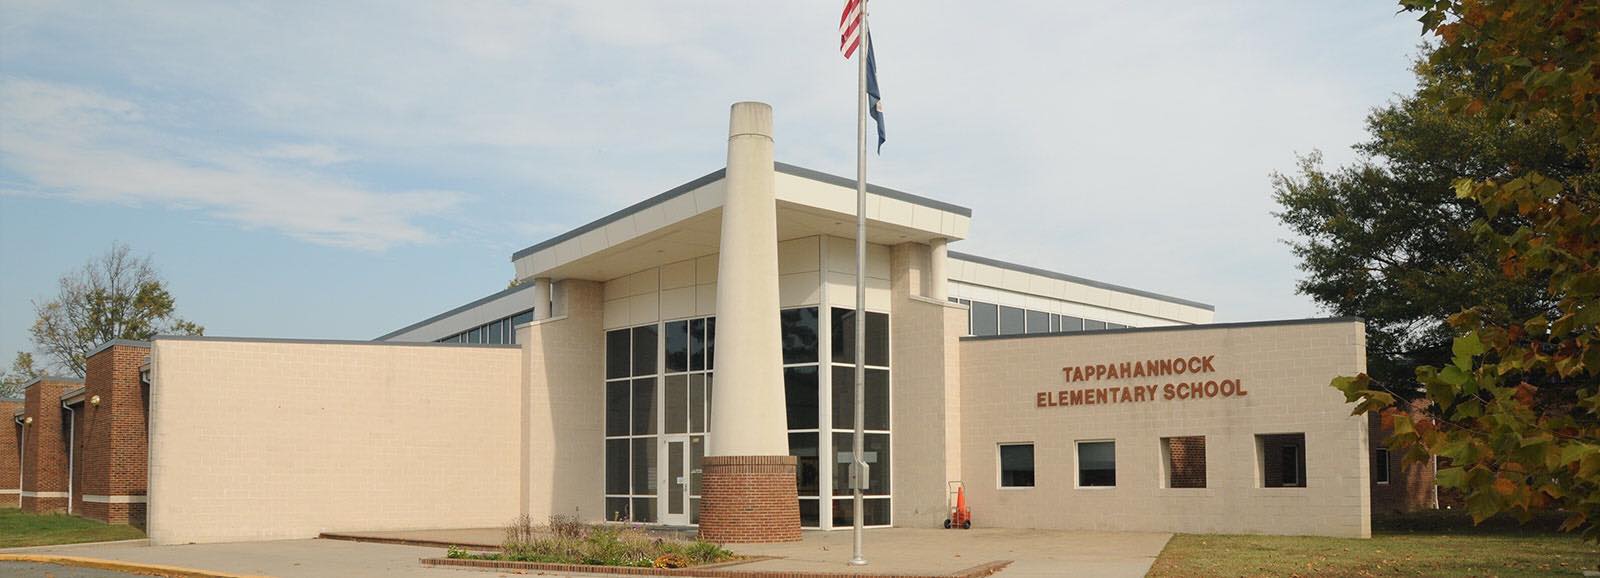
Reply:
x=338, y=170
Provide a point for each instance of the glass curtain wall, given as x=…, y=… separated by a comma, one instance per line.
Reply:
x=687, y=365
x=658, y=388
x=630, y=428
x=876, y=445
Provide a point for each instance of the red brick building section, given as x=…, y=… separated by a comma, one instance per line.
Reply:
x=44, y=460
x=1408, y=487
x=749, y=499
x=10, y=454
x=112, y=439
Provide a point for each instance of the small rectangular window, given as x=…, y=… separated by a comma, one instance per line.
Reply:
x=1070, y=323
x=798, y=329
x=1185, y=461
x=677, y=346
x=1016, y=465
x=1092, y=325
x=1038, y=322
x=985, y=318
x=1380, y=466
x=1097, y=464
x=1055, y=323
x=1282, y=460
x=619, y=357
x=1013, y=321
x=644, y=350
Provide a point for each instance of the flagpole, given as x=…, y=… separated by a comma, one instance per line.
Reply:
x=858, y=461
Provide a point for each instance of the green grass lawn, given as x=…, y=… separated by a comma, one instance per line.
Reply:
x=1424, y=544
x=19, y=529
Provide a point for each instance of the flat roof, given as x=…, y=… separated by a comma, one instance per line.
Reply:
x=1194, y=327
x=1080, y=280
x=473, y=303
x=717, y=175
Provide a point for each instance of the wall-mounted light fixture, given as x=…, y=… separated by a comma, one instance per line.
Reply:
x=94, y=400
x=28, y=420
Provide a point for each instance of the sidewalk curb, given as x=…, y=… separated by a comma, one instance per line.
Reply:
x=53, y=547
x=121, y=566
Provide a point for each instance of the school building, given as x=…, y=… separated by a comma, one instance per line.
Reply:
x=689, y=361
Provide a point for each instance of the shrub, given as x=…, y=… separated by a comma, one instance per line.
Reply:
x=565, y=540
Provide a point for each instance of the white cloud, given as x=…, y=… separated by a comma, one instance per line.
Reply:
x=314, y=154
x=79, y=144
x=1127, y=141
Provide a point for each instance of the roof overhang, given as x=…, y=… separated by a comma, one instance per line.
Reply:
x=686, y=222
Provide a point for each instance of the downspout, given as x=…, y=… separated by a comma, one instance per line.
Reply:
x=72, y=450
x=22, y=455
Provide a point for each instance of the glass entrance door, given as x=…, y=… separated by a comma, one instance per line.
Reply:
x=675, y=508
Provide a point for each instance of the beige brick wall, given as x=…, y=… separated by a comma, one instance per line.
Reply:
x=564, y=409
x=926, y=393
x=258, y=440
x=1284, y=367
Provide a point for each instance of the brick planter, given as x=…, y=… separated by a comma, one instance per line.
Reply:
x=749, y=499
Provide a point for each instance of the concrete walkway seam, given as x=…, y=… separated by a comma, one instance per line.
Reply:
x=120, y=566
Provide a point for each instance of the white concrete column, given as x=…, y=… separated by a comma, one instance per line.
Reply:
x=541, y=298
x=747, y=416
x=938, y=274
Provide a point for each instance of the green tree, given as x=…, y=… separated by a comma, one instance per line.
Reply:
x=1516, y=409
x=1386, y=238
x=22, y=371
x=114, y=296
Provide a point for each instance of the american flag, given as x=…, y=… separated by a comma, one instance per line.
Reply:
x=850, y=27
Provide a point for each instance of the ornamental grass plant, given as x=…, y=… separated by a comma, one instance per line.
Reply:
x=565, y=540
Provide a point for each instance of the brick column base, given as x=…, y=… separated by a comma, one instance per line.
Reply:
x=749, y=499
x=36, y=505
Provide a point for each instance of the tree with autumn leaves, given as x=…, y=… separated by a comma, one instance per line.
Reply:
x=1514, y=412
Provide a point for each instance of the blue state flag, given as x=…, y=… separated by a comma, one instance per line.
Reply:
x=874, y=98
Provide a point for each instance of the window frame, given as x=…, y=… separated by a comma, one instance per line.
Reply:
x=1000, y=465
x=1077, y=463
x=1384, y=454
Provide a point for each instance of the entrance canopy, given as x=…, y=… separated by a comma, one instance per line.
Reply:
x=685, y=223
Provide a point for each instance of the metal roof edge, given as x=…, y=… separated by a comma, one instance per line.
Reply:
x=116, y=342
x=713, y=176
x=879, y=190
x=663, y=197
x=1194, y=327
x=458, y=309
x=160, y=338
x=1075, y=279
x=51, y=378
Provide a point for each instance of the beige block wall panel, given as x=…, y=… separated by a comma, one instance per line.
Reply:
x=798, y=256
x=264, y=440
x=925, y=393
x=1284, y=367
x=799, y=289
x=563, y=361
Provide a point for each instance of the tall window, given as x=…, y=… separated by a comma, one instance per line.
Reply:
x=1097, y=464
x=1380, y=466
x=875, y=447
x=686, y=380
x=1016, y=465
x=803, y=406
x=630, y=426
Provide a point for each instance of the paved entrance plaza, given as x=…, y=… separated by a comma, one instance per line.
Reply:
x=1034, y=553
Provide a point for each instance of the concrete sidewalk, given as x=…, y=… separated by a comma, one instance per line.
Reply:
x=1034, y=554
